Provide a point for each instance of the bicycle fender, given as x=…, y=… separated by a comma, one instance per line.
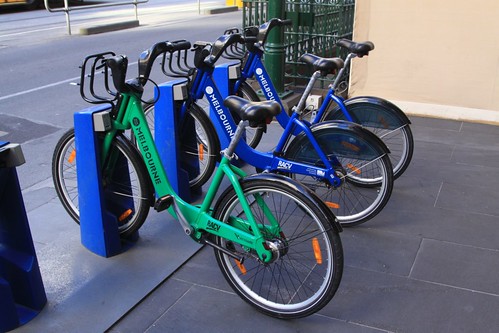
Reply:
x=297, y=186
x=338, y=137
x=361, y=109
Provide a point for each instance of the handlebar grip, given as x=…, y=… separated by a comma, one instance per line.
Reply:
x=221, y=45
x=146, y=59
x=251, y=31
x=118, y=65
x=180, y=45
x=265, y=28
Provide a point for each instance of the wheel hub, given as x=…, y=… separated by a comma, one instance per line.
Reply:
x=278, y=247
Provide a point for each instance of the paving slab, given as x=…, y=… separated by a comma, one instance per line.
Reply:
x=401, y=304
x=457, y=265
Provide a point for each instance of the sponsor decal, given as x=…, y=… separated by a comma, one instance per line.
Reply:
x=264, y=84
x=146, y=152
x=212, y=226
x=284, y=165
x=219, y=111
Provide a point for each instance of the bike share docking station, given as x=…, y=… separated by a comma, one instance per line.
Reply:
x=169, y=98
x=224, y=75
x=22, y=294
x=99, y=216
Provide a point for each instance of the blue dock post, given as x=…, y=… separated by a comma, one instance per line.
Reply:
x=22, y=294
x=166, y=136
x=98, y=225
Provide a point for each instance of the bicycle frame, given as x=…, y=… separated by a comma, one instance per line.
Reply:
x=203, y=84
x=192, y=218
x=254, y=67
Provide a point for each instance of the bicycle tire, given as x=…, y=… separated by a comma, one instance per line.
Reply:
x=64, y=173
x=206, y=147
x=130, y=216
x=367, y=174
x=386, y=121
x=295, y=284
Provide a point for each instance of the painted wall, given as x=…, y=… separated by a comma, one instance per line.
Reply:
x=438, y=58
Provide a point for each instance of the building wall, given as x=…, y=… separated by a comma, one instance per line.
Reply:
x=439, y=58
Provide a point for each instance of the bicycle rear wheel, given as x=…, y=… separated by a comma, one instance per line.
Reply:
x=367, y=177
x=308, y=264
x=385, y=120
x=127, y=190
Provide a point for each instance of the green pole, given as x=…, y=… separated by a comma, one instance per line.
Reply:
x=275, y=54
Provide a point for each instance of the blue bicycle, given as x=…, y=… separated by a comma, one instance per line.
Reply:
x=345, y=164
x=380, y=116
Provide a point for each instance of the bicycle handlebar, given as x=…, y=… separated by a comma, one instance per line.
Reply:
x=264, y=29
x=118, y=65
x=223, y=42
x=146, y=59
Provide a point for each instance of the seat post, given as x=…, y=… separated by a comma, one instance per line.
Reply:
x=229, y=151
x=310, y=85
x=337, y=80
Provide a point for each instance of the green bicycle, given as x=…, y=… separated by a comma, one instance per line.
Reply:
x=276, y=243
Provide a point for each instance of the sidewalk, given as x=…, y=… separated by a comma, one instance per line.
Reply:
x=428, y=263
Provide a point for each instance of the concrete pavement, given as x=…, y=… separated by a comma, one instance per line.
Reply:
x=428, y=263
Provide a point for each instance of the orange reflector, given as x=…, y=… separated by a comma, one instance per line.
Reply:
x=241, y=267
x=201, y=151
x=72, y=156
x=353, y=168
x=125, y=214
x=332, y=205
x=350, y=146
x=317, y=250
x=383, y=122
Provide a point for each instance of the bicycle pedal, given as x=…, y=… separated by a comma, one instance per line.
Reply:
x=163, y=203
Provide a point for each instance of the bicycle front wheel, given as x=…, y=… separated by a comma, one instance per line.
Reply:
x=126, y=189
x=199, y=145
x=367, y=176
x=64, y=173
x=307, y=268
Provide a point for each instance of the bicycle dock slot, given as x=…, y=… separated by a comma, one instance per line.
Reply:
x=99, y=215
x=98, y=224
x=166, y=118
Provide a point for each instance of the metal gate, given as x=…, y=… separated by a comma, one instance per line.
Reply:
x=317, y=25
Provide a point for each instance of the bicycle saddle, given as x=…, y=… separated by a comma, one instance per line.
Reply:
x=360, y=49
x=254, y=112
x=325, y=65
